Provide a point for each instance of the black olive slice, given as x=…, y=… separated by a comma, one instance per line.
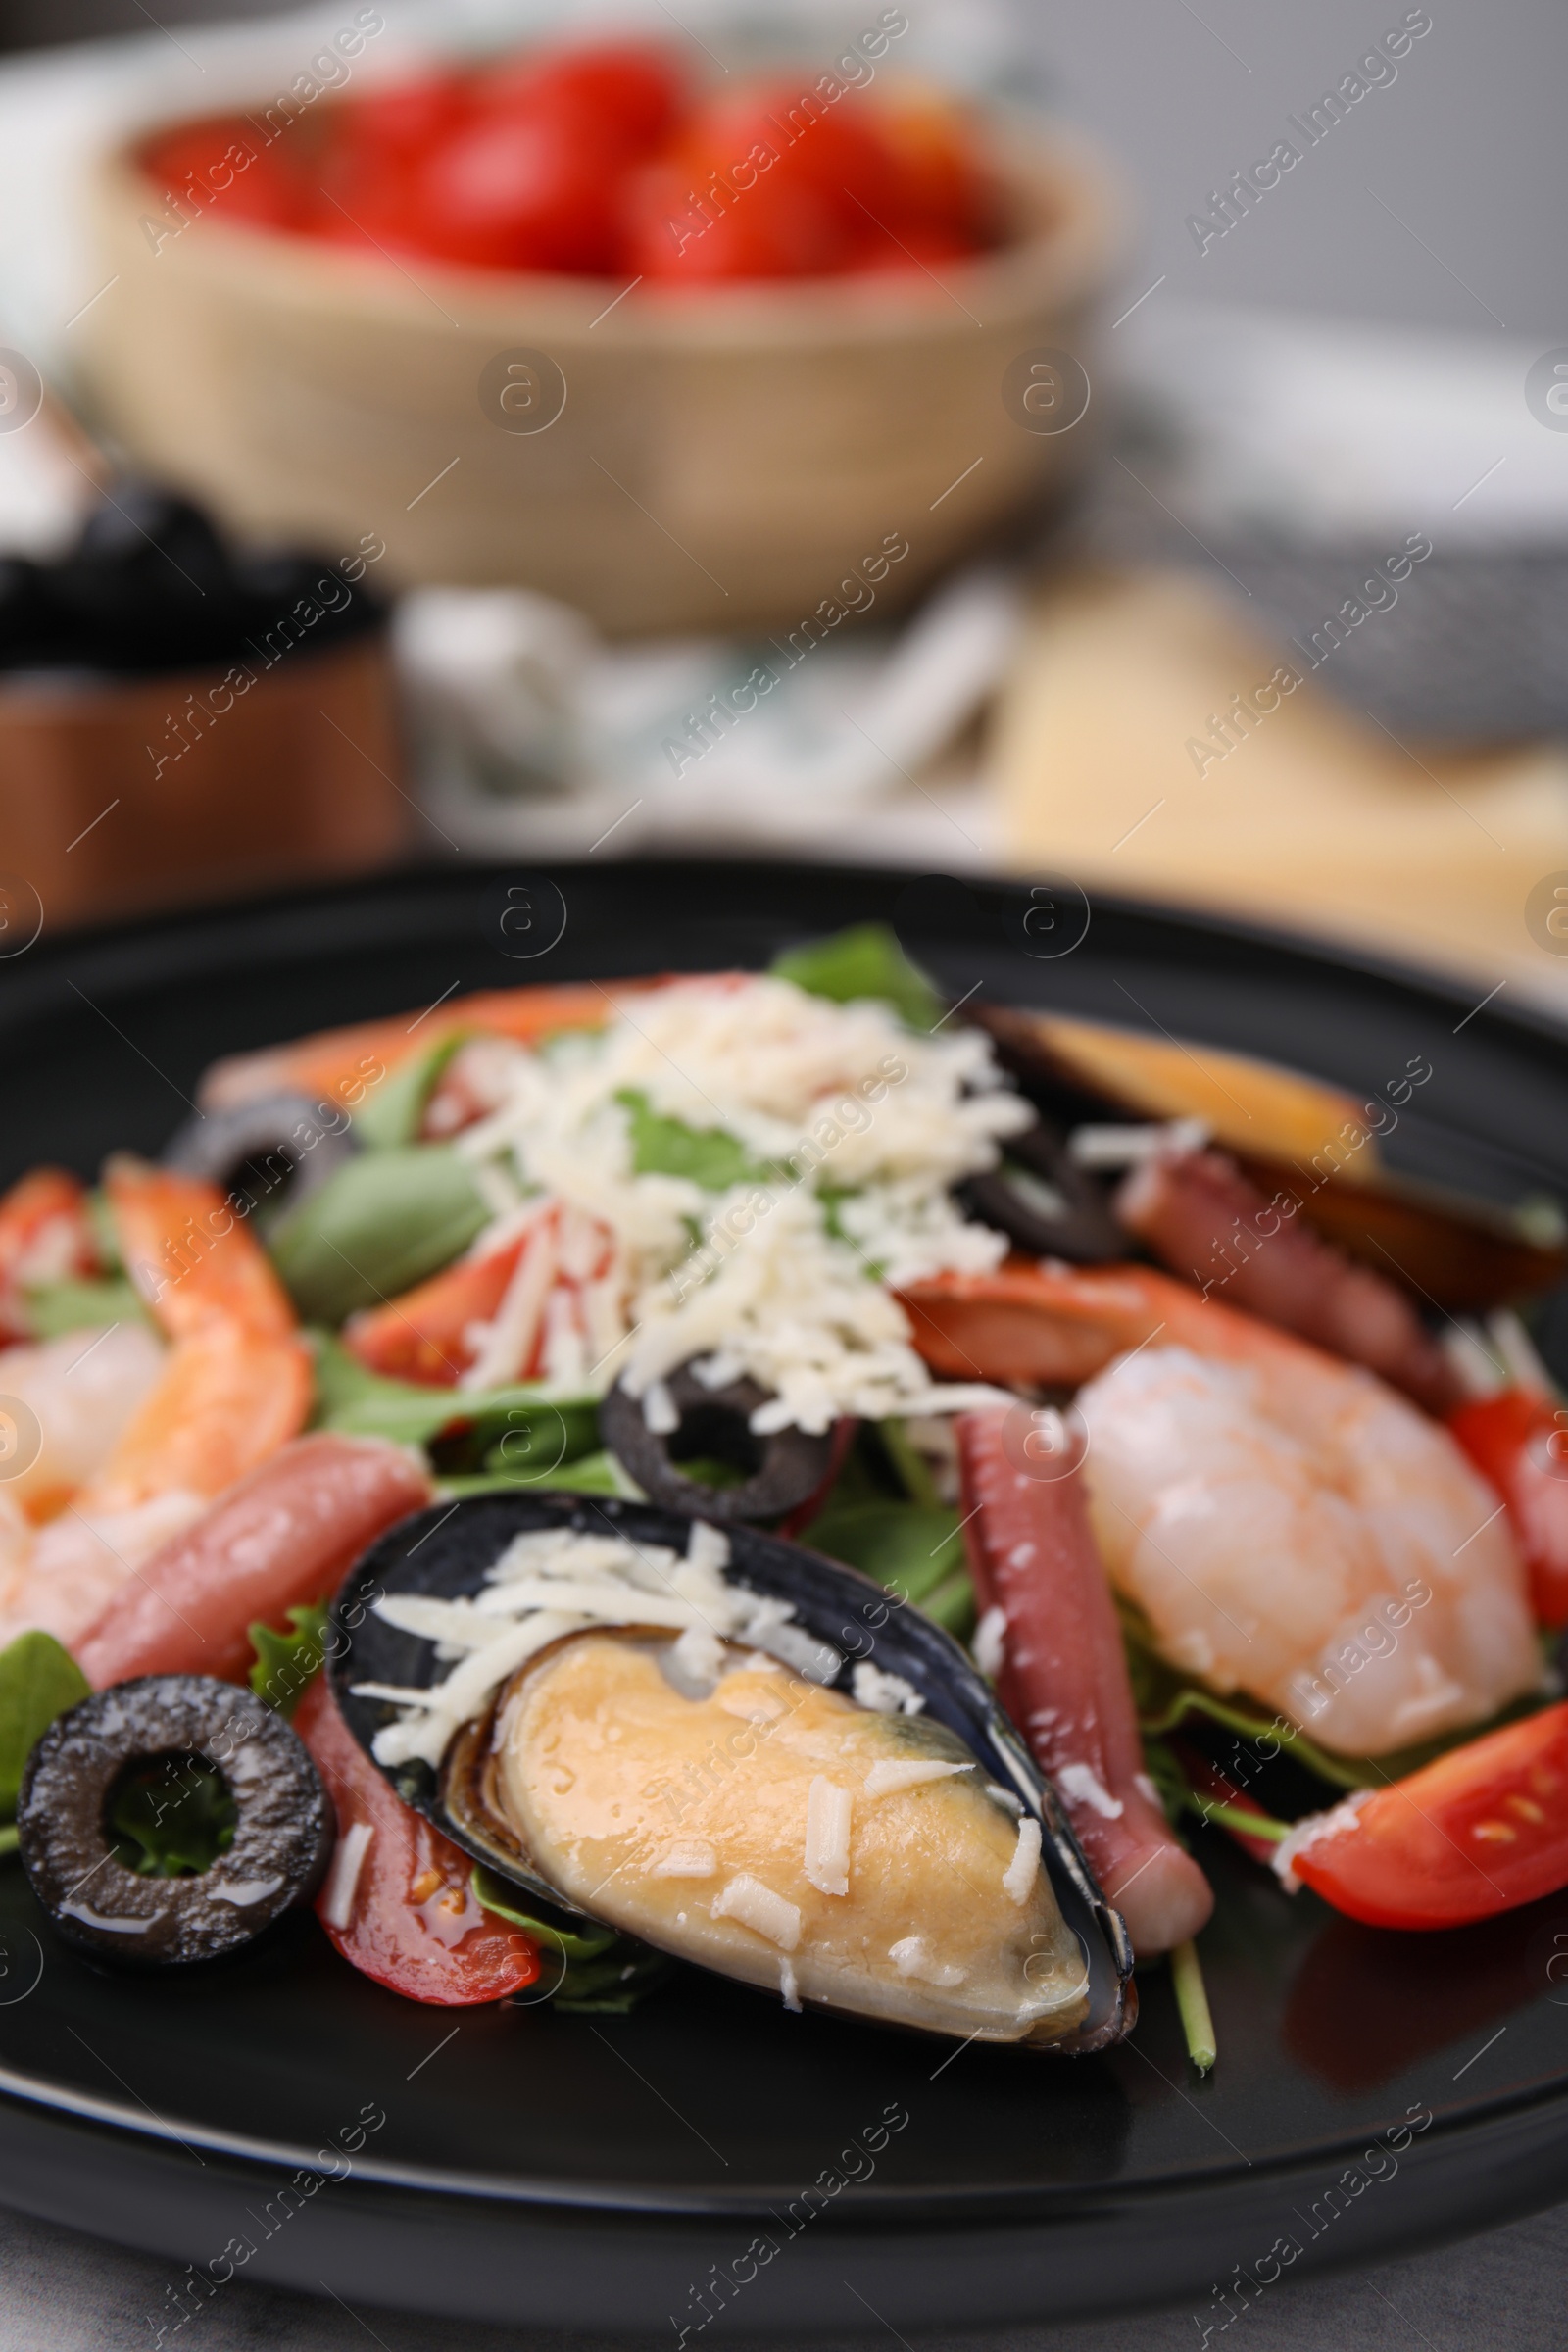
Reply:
x=260, y=1152
x=1041, y=1200
x=714, y=1425
x=186, y=1727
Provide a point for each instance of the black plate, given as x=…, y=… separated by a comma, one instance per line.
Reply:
x=713, y=2157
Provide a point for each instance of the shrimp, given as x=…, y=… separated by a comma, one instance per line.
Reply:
x=1288, y=1525
x=232, y=1387
x=343, y=1063
x=77, y=1394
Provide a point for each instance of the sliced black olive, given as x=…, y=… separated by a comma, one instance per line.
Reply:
x=1045, y=1202
x=715, y=1425
x=107, y=1777
x=278, y=1146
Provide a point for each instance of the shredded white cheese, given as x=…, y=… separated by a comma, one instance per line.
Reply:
x=1019, y=1874
x=1084, y=1784
x=337, y=1904
x=557, y=1581
x=989, y=1646
x=828, y=1811
x=913, y=1956
x=884, y=1693
x=887, y=1779
x=758, y=1907
x=855, y=1129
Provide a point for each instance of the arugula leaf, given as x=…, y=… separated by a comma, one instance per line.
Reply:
x=38, y=1681
x=73, y=1304
x=392, y=1113
x=603, y=1974
x=706, y=1155
x=287, y=1663
x=383, y=1222
x=863, y=962
x=174, y=1816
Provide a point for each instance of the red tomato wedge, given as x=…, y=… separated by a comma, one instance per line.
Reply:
x=397, y=1900
x=425, y=1336
x=285, y=1535
x=1519, y=1442
x=1480, y=1830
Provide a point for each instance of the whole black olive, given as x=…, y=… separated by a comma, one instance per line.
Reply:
x=187, y=1728
x=715, y=1423
x=260, y=1151
x=1041, y=1200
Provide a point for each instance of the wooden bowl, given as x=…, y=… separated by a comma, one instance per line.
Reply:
x=723, y=460
x=120, y=795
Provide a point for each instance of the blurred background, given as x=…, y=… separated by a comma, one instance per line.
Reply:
x=1128, y=443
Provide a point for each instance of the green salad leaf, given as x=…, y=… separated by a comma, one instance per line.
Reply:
x=603, y=1973
x=38, y=1681
x=915, y=1550
x=383, y=1222
x=392, y=1112
x=706, y=1155
x=590, y=1474
x=173, y=1815
x=538, y=1430
x=287, y=1663
x=75, y=1304
x=863, y=962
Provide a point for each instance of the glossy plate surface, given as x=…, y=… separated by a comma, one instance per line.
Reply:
x=711, y=2158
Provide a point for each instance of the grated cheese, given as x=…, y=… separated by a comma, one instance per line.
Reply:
x=887, y=1779
x=781, y=1286
x=1019, y=1874
x=758, y=1907
x=828, y=1810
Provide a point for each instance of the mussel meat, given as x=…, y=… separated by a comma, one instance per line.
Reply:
x=736, y=1751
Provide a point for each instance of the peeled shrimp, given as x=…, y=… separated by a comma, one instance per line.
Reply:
x=1289, y=1526
x=82, y=1389
x=177, y=1425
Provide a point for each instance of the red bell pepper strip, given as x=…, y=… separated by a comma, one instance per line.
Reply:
x=1480, y=1830
x=1063, y=1680
x=285, y=1534
x=1518, y=1440
x=397, y=1900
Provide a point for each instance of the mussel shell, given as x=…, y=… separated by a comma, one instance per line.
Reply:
x=257, y=1149
x=791, y=1463
x=445, y=1552
x=1455, y=1249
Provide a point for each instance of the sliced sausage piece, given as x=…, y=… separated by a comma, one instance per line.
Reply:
x=1063, y=1678
x=1208, y=1222
x=287, y=1534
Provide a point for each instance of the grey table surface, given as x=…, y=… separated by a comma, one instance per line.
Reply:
x=1505, y=2291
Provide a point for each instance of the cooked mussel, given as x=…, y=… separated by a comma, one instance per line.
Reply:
x=712, y=1424
x=279, y=1147
x=1291, y=1135
x=738, y=1753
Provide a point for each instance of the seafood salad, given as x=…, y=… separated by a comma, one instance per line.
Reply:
x=774, y=1474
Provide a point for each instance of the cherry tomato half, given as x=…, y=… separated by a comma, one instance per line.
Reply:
x=1480, y=1830
x=1519, y=1442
